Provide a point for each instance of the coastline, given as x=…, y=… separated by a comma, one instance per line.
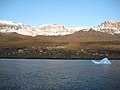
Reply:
x=61, y=58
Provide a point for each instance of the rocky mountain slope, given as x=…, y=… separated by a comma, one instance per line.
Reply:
x=47, y=30
x=110, y=27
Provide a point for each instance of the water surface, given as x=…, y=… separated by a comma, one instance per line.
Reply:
x=36, y=74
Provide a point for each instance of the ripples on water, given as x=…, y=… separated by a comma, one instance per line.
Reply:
x=36, y=74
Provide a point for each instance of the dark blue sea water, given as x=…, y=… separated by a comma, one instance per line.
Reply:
x=35, y=74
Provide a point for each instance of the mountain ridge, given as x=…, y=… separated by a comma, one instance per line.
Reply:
x=111, y=27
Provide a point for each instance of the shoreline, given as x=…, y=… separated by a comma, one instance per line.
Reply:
x=63, y=58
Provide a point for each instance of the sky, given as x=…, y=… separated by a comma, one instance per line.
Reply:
x=71, y=13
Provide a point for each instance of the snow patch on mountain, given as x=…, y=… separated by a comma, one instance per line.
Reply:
x=110, y=27
x=81, y=28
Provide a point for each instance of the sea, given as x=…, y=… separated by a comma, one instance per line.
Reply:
x=53, y=74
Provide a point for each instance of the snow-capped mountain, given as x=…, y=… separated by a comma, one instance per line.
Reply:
x=110, y=27
x=47, y=30
x=53, y=30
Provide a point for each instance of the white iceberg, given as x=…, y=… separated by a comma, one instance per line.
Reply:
x=103, y=61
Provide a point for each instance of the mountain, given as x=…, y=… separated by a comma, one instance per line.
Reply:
x=110, y=27
x=18, y=40
x=47, y=30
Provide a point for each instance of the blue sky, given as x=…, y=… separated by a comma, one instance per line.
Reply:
x=71, y=13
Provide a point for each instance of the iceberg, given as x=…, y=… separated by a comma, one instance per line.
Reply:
x=103, y=61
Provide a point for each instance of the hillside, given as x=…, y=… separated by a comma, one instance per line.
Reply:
x=85, y=43
x=78, y=45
